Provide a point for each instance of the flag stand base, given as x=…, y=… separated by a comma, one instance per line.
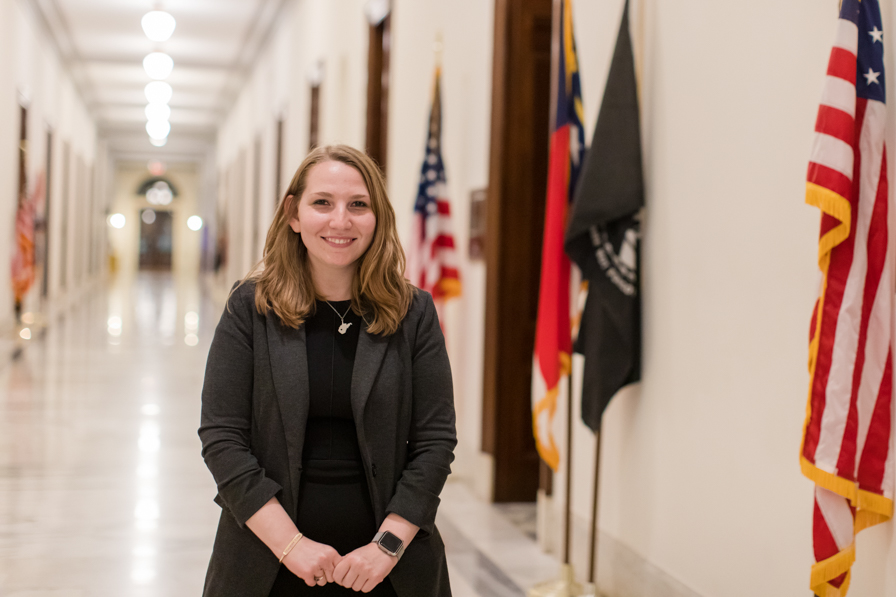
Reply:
x=565, y=586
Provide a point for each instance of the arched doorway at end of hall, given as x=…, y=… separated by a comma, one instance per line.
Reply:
x=155, y=239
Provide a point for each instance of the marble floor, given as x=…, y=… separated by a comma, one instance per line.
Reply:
x=103, y=492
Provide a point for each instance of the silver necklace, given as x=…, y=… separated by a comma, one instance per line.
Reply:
x=344, y=327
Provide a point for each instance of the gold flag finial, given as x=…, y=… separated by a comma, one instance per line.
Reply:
x=438, y=47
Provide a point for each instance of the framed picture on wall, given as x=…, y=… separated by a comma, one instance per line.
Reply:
x=477, y=224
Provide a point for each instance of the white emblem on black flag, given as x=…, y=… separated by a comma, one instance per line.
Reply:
x=618, y=258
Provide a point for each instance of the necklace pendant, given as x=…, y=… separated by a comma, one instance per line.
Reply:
x=344, y=328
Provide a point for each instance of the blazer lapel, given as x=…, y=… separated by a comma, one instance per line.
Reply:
x=289, y=368
x=368, y=358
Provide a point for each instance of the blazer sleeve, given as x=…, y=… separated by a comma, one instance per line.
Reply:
x=226, y=419
x=432, y=436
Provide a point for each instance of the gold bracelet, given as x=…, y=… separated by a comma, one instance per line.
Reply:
x=293, y=543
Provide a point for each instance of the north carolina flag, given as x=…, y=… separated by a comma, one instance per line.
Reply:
x=553, y=334
x=846, y=439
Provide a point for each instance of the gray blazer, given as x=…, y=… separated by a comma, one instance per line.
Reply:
x=254, y=408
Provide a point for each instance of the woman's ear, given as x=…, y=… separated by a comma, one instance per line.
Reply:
x=291, y=205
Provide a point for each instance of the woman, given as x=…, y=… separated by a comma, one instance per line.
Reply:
x=327, y=409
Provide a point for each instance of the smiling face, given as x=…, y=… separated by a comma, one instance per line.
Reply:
x=335, y=219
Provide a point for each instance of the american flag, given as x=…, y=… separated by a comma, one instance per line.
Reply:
x=846, y=440
x=23, y=255
x=432, y=265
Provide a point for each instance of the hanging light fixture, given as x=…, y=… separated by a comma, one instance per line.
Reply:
x=158, y=65
x=158, y=92
x=158, y=142
x=158, y=112
x=377, y=10
x=116, y=220
x=158, y=25
x=158, y=129
x=160, y=193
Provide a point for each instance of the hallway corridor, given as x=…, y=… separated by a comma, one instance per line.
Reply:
x=103, y=492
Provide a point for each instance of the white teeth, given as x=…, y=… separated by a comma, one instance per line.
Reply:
x=340, y=241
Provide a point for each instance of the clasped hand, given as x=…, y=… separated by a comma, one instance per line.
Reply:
x=359, y=570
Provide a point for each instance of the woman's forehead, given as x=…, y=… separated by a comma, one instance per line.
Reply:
x=333, y=176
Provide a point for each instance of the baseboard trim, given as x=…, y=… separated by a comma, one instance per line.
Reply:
x=621, y=571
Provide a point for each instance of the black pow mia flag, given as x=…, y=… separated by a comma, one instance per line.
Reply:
x=603, y=238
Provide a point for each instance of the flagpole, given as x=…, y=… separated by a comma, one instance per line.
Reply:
x=592, y=554
x=556, y=16
x=567, y=506
x=566, y=585
x=438, y=47
x=555, y=62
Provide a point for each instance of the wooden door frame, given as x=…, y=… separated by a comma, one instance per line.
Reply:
x=278, y=167
x=378, y=65
x=314, y=117
x=515, y=222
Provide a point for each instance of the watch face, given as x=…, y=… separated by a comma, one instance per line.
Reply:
x=390, y=542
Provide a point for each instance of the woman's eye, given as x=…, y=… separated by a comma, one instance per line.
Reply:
x=359, y=204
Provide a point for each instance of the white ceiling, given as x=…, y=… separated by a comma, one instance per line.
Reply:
x=213, y=46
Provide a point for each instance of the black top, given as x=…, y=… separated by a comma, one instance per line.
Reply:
x=256, y=386
x=331, y=443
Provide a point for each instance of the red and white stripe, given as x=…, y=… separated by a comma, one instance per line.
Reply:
x=846, y=443
x=23, y=255
x=434, y=257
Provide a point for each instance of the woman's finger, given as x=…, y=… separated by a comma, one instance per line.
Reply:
x=331, y=563
x=359, y=582
x=328, y=574
x=369, y=585
x=349, y=579
x=339, y=571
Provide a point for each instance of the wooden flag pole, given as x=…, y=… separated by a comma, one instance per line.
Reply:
x=592, y=554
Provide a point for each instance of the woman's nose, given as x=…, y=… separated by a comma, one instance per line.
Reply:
x=340, y=218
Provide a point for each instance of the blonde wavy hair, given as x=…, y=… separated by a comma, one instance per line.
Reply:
x=283, y=283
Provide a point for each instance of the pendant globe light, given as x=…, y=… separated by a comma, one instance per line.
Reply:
x=158, y=65
x=158, y=129
x=158, y=92
x=158, y=25
x=158, y=112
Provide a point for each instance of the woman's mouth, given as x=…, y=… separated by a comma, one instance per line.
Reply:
x=337, y=241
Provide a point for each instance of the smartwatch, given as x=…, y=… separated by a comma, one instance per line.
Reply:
x=389, y=543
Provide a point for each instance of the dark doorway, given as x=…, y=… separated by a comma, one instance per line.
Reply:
x=278, y=171
x=257, y=250
x=42, y=224
x=521, y=91
x=23, y=152
x=23, y=265
x=378, y=64
x=64, y=214
x=314, y=118
x=155, y=239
